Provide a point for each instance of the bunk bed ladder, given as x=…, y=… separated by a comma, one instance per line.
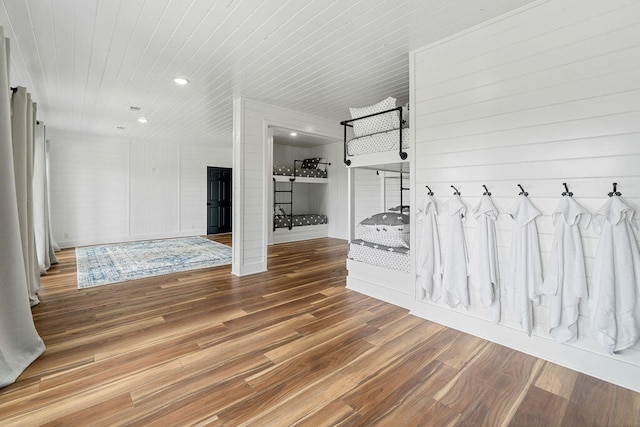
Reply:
x=289, y=203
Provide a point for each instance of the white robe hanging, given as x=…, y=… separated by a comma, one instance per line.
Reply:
x=429, y=267
x=614, y=302
x=455, y=288
x=483, y=265
x=524, y=275
x=566, y=279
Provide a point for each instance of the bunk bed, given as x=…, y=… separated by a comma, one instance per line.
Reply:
x=379, y=257
x=289, y=226
x=380, y=136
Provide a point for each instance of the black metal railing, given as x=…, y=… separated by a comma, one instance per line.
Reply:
x=347, y=123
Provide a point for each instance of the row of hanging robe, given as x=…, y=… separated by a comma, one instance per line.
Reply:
x=615, y=291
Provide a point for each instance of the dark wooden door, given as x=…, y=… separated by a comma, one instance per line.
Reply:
x=218, y=200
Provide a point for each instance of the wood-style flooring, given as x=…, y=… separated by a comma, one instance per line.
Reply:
x=290, y=346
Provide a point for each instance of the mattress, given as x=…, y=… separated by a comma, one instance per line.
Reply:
x=377, y=142
x=300, y=220
x=379, y=255
x=301, y=172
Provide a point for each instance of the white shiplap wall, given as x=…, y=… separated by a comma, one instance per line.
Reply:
x=336, y=199
x=541, y=96
x=89, y=190
x=252, y=175
x=368, y=194
x=155, y=189
x=112, y=189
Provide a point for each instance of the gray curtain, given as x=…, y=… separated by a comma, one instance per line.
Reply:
x=22, y=130
x=44, y=246
x=53, y=245
x=19, y=341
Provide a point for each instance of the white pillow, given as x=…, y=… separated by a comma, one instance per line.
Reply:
x=381, y=123
x=321, y=166
x=405, y=115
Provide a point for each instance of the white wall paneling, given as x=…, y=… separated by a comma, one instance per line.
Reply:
x=89, y=190
x=252, y=175
x=155, y=187
x=540, y=96
x=337, y=195
x=112, y=189
x=368, y=194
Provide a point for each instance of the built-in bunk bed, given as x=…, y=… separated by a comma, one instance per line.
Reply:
x=303, y=176
x=379, y=261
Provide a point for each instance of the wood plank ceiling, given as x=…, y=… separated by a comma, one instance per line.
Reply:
x=87, y=61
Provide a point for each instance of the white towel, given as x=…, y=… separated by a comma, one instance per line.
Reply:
x=614, y=305
x=483, y=265
x=455, y=288
x=524, y=275
x=428, y=268
x=566, y=279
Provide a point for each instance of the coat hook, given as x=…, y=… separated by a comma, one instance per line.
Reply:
x=566, y=190
x=486, y=191
x=615, y=191
x=522, y=193
x=430, y=193
x=456, y=192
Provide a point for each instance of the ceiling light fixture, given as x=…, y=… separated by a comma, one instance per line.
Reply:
x=143, y=119
x=181, y=81
x=293, y=134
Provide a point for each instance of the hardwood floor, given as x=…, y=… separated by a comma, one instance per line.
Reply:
x=290, y=346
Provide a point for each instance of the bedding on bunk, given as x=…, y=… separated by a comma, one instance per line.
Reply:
x=300, y=172
x=383, y=241
x=282, y=221
x=380, y=255
x=377, y=142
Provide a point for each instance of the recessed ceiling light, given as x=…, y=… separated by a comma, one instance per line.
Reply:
x=181, y=81
x=143, y=119
x=293, y=134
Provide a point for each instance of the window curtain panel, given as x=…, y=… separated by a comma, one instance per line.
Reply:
x=19, y=341
x=53, y=245
x=22, y=131
x=44, y=247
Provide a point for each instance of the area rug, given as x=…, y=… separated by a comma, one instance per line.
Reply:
x=120, y=262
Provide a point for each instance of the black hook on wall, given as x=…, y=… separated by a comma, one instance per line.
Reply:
x=456, y=192
x=522, y=192
x=430, y=193
x=486, y=191
x=566, y=190
x=615, y=191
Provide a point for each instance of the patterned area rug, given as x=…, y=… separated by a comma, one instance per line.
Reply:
x=120, y=262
